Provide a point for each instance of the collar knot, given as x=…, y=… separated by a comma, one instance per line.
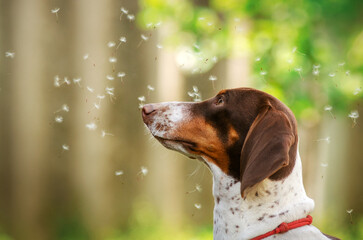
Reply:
x=284, y=227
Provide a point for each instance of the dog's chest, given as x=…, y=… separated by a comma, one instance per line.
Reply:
x=227, y=208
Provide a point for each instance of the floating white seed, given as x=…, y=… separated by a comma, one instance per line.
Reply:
x=91, y=126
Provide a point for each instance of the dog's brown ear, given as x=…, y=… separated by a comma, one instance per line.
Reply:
x=266, y=147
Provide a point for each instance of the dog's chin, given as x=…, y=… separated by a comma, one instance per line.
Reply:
x=182, y=146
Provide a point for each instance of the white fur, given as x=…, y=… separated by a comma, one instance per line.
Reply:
x=286, y=202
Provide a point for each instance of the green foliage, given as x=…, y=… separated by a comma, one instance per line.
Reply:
x=146, y=225
x=284, y=41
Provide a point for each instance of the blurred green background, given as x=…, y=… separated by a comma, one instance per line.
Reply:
x=76, y=161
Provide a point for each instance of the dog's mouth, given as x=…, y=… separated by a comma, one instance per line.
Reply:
x=183, y=142
x=181, y=145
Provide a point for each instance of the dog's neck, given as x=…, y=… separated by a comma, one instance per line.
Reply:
x=265, y=206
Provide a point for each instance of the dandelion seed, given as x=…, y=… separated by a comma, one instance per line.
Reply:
x=141, y=105
x=124, y=11
x=215, y=59
x=347, y=73
x=90, y=89
x=332, y=74
x=104, y=134
x=150, y=88
x=341, y=64
x=58, y=119
x=143, y=38
x=57, y=81
x=289, y=61
x=55, y=11
x=294, y=50
x=65, y=147
x=357, y=91
x=97, y=106
x=263, y=73
x=144, y=171
x=354, y=115
x=91, y=126
x=316, y=72
x=195, y=70
x=198, y=206
x=121, y=75
x=159, y=46
x=328, y=108
x=77, y=81
x=110, y=77
x=122, y=40
x=209, y=23
x=350, y=214
x=67, y=81
x=131, y=17
x=109, y=91
x=119, y=173
x=100, y=97
x=111, y=44
x=112, y=59
x=299, y=70
x=316, y=66
x=197, y=188
x=191, y=94
x=324, y=165
x=65, y=107
x=195, y=94
x=149, y=25
x=142, y=98
x=10, y=54
x=327, y=140
x=86, y=56
x=213, y=79
x=196, y=46
x=258, y=59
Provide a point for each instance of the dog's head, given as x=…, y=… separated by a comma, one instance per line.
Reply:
x=250, y=135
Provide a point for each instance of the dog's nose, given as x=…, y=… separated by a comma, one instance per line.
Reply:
x=148, y=109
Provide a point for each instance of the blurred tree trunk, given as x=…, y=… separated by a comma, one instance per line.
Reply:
x=238, y=64
x=323, y=150
x=352, y=196
x=166, y=179
x=91, y=153
x=5, y=118
x=29, y=135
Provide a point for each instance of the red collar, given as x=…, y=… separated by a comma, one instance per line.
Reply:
x=284, y=227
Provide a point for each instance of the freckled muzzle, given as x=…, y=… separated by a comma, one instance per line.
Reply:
x=163, y=119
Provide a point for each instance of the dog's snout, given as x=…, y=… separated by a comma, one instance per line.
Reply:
x=148, y=109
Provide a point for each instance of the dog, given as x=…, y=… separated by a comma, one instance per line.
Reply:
x=249, y=141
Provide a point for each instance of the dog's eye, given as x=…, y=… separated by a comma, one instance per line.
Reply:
x=219, y=101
